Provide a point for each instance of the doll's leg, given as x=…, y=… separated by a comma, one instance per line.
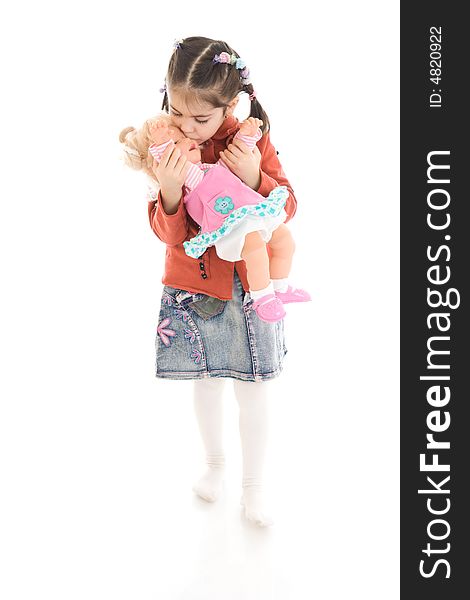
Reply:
x=208, y=407
x=256, y=258
x=267, y=306
x=282, y=247
x=252, y=398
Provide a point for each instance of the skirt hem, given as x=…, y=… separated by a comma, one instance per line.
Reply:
x=185, y=375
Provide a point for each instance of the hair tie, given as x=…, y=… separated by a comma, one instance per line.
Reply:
x=252, y=96
x=177, y=44
x=163, y=89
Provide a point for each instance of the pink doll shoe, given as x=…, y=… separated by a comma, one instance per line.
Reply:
x=269, y=308
x=293, y=295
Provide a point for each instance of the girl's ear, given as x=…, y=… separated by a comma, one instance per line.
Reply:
x=231, y=105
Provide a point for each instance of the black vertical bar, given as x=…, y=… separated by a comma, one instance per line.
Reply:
x=434, y=119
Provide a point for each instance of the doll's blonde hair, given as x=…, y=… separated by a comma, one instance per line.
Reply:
x=135, y=146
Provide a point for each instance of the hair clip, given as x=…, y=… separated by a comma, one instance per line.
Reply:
x=223, y=57
x=240, y=64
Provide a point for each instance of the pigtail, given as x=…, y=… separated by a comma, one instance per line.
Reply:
x=256, y=110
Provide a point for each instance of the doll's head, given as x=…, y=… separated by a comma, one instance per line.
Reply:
x=135, y=146
x=136, y=143
x=187, y=146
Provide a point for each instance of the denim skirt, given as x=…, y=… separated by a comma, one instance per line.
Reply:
x=199, y=337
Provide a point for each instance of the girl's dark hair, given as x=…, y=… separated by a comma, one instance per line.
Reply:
x=192, y=70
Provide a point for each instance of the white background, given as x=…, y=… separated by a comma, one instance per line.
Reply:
x=97, y=456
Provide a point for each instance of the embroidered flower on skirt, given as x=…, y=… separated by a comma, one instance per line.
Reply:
x=165, y=333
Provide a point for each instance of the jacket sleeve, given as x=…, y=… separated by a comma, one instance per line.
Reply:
x=171, y=229
x=272, y=175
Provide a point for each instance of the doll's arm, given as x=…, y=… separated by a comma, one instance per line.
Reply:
x=249, y=140
x=250, y=132
x=157, y=150
x=194, y=177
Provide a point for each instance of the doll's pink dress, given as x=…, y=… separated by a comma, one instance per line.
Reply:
x=225, y=208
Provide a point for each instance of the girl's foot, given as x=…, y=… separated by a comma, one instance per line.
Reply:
x=252, y=501
x=210, y=484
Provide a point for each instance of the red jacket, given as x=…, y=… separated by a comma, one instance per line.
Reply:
x=209, y=274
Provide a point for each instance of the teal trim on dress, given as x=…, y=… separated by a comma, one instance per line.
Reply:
x=269, y=207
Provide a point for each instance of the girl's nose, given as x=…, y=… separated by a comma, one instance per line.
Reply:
x=186, y=127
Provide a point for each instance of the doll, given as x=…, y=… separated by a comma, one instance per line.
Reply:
x=232, y=217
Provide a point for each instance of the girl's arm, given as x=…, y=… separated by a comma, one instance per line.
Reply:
x=272, y=175
x=171, y=229
x=259, y=169
x=249, y=140
x=194, y=175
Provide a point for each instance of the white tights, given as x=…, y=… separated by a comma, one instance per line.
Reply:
x=253, y=423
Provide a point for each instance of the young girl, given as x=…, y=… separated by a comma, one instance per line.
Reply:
x=224, y=207
x=208, y=330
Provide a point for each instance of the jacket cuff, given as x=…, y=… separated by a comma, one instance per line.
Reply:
x=267, y=184
x=161, y=211
x=172, y=229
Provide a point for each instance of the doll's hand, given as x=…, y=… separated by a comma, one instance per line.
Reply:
x=159, y=132
x=243, y=162
x=250, y=126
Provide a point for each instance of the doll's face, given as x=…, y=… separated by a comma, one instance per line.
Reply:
x=187, y=147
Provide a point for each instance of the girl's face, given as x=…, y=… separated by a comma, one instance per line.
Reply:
x=197, y=120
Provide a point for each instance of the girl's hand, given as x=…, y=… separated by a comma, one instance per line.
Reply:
x=171, y=172
x=243, y=162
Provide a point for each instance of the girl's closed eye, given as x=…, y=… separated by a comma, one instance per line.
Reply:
x=177, y=116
